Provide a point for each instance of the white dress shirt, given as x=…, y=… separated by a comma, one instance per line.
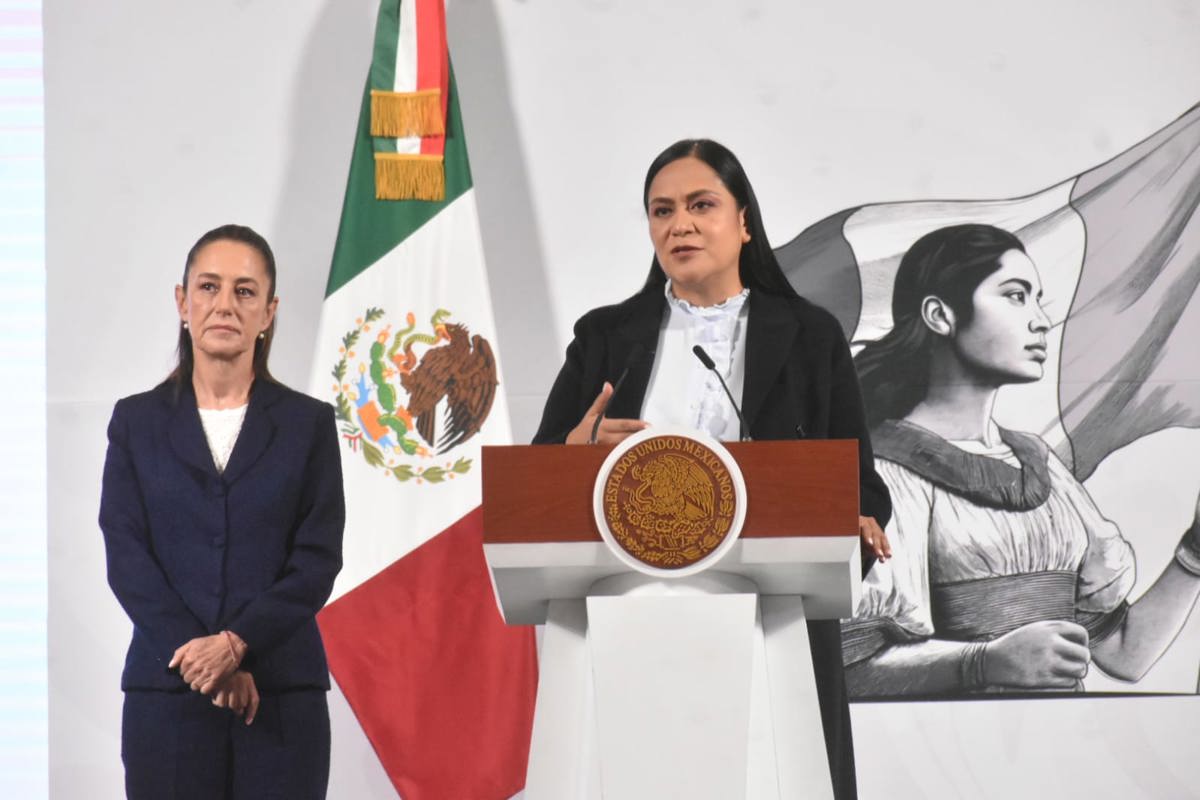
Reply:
x=221, y=429
x=681, y=390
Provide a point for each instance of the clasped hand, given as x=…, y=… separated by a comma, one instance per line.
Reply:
x=206, y=661
x=209, y=664
x=239, y=694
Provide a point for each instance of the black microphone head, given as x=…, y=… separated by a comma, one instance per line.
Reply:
x=704, y=357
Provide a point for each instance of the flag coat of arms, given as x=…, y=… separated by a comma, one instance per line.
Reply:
x=406, y=353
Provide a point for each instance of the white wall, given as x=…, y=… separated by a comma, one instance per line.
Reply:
x=165, y=119
x=23, y=602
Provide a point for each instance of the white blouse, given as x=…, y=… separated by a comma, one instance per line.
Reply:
x=221, y=429
x=681, y=390
x=939, y=537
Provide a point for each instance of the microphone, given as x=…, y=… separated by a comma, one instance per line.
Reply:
x=635, y=355
x=709, y=364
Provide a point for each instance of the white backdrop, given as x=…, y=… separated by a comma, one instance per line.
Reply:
x=166, y=119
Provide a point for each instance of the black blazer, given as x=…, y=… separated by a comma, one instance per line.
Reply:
x=800, y=378
x=254, y=550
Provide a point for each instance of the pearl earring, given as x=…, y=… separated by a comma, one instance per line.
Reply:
x=262, y=334
x=185, y=327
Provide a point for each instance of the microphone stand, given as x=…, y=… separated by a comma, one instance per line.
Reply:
x=711, y=366
x=634, y=356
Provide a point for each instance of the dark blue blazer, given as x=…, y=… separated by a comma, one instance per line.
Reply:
x=254, y=550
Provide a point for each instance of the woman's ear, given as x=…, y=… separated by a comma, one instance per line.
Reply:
x=938, y=316
x=745, y=232
x=272, y=307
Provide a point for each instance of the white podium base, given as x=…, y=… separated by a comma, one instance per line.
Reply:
x=691, y=688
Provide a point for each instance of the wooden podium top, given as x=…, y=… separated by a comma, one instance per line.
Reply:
x=543, y=493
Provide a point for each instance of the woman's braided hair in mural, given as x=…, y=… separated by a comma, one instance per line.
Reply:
x=948, y=263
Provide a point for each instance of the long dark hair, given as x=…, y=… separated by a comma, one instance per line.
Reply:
x=757, y=266
x=185, y=359
x=948, y=263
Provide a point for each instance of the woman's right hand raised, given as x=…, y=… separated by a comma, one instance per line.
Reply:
x=611, y=431
x=1040, y=655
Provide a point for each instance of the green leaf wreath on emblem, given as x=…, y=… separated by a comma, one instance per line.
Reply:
x=368, y=406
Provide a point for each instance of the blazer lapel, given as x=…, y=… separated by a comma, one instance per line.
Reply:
x=258, y=429
x=640, y=327
x=184, y=430
x=770, y=331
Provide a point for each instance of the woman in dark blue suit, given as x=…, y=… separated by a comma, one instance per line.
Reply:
x=222, y=514
x=714, y=281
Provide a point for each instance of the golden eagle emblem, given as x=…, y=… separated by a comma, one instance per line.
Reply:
x=463, y=373
x=417, y=393
x=672, y=487
x=669, y=501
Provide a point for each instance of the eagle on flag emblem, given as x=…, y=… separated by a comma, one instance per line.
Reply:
x=412, y=393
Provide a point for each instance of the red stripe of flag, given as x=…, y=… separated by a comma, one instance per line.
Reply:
x=433, y=62
x=442, y=687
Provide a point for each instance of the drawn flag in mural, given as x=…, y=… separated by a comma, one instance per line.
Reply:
x=1118, y=249
x=442, y=688
x=999, y=548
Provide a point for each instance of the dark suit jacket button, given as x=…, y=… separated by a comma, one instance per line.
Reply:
x=218, y=541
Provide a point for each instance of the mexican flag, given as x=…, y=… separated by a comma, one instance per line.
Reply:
x=1118, y=252
x=406, y=352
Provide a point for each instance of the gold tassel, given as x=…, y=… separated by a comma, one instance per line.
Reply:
x=406, y=176
x=398, y=115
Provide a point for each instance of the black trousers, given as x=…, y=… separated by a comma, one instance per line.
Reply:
x=179, y=746
x=825, y=639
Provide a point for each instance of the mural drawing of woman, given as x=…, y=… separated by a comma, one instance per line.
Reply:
x=1005, y=576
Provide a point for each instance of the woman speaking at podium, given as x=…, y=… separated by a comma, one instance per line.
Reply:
x=714, y=282
x=222, y=514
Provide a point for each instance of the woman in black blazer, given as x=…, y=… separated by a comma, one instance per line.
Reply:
x=222, y=514
x=714, y=279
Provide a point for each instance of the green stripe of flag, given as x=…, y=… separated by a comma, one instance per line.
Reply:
x=383, y=60
x=371, y=228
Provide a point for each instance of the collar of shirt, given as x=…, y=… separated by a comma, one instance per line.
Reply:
x=728, y=306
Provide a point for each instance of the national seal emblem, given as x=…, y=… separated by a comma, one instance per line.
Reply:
x=406, y=398
x=669, y=502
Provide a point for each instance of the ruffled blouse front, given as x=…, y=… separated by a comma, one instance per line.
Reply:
x=681, y=390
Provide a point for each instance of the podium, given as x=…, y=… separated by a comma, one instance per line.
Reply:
x=693, y=687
